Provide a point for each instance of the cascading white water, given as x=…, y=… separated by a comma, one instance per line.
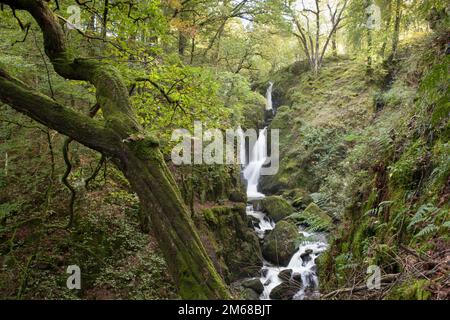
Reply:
x=302, y=263
x=252, y=171
x=269, y=96
x=264, y=222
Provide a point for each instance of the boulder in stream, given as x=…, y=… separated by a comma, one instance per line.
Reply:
x=254, y=284
x=306, y=256
x=285, y=275
x=281, y=243
x=285, y=290
x=313, y=216
x=250, y=294
x=275, y=207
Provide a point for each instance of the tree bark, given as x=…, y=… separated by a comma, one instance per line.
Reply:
x=369, y=70
x=387, y=28
x=395, y=37
x=121, y=138
x=334, y=44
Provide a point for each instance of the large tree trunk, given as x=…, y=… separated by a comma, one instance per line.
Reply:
x=145, y=168
x=121, y=138
x=387, y=29
x=369, y=70
x=334, y=44
x=396, y=35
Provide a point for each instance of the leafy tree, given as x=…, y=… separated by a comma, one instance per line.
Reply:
x=313, y=28
x=121, y=137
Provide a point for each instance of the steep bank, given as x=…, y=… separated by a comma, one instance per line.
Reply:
x=372, y=153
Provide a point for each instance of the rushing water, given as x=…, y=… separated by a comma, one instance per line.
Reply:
x=302, y=263
x=264, y=222
x=252, y=171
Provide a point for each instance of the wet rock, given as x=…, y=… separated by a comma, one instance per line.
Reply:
x=264, y=272
x=306, y=256
x=275, y=207
x=285, y=275
x=297, y=277
x=250, y=294
x=284, y=291
x=252, y=221
x=254, y=284
x=281, y=243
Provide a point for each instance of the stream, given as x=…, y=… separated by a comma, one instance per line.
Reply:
x=301, y=269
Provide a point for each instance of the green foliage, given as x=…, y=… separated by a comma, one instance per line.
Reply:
x=314, y=218
x=411, y=290
x=428, y=220
x=7, y=209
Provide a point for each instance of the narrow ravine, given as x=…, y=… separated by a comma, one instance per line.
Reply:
x=299, y=274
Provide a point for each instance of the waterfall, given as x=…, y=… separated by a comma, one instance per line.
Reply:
x=302, y=264
x=269, y=96
x=252, y=171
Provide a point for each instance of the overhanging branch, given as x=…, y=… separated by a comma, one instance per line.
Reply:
x=48, y=112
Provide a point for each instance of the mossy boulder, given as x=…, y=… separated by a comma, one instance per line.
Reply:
x=300, y=198
x=281, y=243
x=247, y=289
x=230, y=242
x=313, y=217
x=275, y=207
x=313, y=210
x=249, y=294
x=254, y=284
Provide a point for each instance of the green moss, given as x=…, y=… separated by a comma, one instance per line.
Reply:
x=145, y=147
x=210, y=217
x=315, y=218
x=275, y=207
x=232, y=245
x=403, y=172
x=411, y=290
x=360, y=237
x=281, y=243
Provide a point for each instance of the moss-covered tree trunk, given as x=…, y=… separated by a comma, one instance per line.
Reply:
x=144, y=166
x=121, y=138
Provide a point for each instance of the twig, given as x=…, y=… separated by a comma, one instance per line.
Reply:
x=65, y=181
x=384, y=280
x=96, y=171
x=92, y=112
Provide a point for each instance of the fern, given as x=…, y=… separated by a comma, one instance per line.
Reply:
x=427, y=231
x=422, y=214
x=7, y=209
x=446, y=224
x=379, y=209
